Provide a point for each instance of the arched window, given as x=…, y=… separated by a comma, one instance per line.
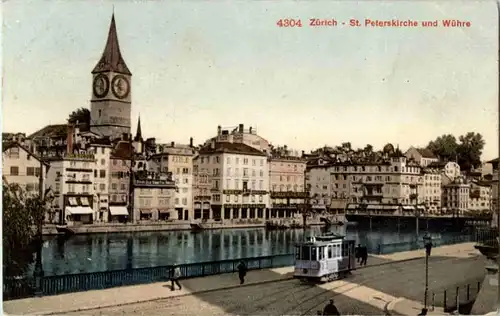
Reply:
x=100, y=112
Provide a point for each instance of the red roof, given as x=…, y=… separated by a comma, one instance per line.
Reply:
x=233, y=148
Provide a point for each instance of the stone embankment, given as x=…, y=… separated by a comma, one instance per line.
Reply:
x=98, y=228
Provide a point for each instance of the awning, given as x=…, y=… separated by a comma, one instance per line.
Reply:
x=72, y=201
x=118, y=210
x=146, y=211
x=352, y=207
x=79, y=210
x=164, y=211
x=85, y=201
x=408, y=208
x=374, y=207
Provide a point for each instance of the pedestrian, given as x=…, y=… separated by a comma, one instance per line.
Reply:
x=331, y=309
x=242, y=271
x=357, y=252
x=364, y=255
x=175, y=278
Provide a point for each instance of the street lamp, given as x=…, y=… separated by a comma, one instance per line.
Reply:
x=38, y=272
x=428, y=248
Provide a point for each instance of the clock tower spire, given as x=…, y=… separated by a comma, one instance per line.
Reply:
x=111, y=91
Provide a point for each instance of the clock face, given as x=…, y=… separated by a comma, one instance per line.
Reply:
x=101, y=85
x=120, y=87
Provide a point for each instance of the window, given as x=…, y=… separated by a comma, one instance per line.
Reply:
x=217, y=159
x=30, y=171
x=261, y=198
x=245, y=161
x=254, y=162
x=95, y=173
x=176, y=201
x=37, y=172
x=115, y=162
x=261, y=173
x=330, y=252
x=114, y=186
x=122, y=187
x=14, y=171
x=102, y=187
x=261, y=162
x=113, y=198
x=103, y=162
x=261, y=184
x=228, y=198
x=102, y=173
x=100, y=112
x=237, y=160
x=245, y=172
x=228, y=172
x=184, y=201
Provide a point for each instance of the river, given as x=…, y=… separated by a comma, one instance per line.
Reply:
x=102, y=252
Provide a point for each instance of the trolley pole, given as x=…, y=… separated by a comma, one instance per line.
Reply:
x=498, y=180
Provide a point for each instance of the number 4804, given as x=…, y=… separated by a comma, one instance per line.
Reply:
x=289, y=23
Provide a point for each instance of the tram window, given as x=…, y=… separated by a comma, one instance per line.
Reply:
x=314, y=254
x=337, y=251
x=330, y=251
x=306, y=254
x=321, y=253
x=297, y=252
x=344, y=250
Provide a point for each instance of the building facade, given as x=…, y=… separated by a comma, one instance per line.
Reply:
x=71, y=178
x=422, y=156
x=153, y=197
x=287, y=185
x=21, y=166
x=119, y=177
x=178, y=160
x=239, y=181
x=456, y=195
x=102, y=153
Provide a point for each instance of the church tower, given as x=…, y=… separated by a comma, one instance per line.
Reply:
x=111, y=105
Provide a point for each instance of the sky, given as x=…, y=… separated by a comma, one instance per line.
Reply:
x=200, y=64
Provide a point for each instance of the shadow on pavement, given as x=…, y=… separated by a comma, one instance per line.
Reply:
x=367, y=291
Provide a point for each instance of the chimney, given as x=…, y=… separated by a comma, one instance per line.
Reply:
x=212, y=145
x=172, y=144
x=125, y=136
x=69, y=139
x=219, y=130
x=240, y=128
x=303, y=153
x=190, y=141
x=250, y=129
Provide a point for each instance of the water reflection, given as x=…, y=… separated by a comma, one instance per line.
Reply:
x=101, y=252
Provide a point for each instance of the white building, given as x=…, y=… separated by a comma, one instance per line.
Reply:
x=431, y=191
x=480, y=197
x=318, y=183
x=241, y=135
x=21, y=166
x=71, y=178
x=456, y=195
x=239, y=177
x=102, y=153
x=422, y=156
x=178, y=160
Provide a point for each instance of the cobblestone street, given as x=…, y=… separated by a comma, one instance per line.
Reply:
x=367, y=292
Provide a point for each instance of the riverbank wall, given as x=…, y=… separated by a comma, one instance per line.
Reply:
x=104, y=228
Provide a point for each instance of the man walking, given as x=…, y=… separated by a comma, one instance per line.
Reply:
x=364, y=255
x=242, y=271
x=175, y=278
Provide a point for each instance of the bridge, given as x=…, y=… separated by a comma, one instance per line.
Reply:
x=418, y=217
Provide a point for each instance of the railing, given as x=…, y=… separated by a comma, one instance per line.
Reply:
x=59, y=284
x=455, y=298
x=53, y=285
x=419, y=244
x=487, y=236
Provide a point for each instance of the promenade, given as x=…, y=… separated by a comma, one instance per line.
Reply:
x=389, y=284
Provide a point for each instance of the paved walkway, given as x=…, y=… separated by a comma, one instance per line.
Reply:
x=133, y=299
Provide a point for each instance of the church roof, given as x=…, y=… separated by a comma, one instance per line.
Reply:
x=112, y=59
x=138, y=135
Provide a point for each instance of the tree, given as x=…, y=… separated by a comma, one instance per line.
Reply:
x=445, y=147
x=469, y=151
x=21, y=213
x=82, y=116
x=368, y=150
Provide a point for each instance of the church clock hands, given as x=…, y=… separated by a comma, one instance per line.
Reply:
x=120, y=87
x=101, y=86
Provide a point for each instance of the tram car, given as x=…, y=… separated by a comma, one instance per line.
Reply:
x=324, y=258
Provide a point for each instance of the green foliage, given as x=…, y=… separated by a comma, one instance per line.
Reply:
x=82, y=116
x=21, y=213
x=467, y=151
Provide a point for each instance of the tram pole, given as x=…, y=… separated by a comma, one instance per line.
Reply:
x=498, y=180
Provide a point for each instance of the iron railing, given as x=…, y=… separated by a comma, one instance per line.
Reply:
x=59, y=284
x=455, y=298
x=15, y=288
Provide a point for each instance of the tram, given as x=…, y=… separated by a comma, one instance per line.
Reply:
x=324, y=258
